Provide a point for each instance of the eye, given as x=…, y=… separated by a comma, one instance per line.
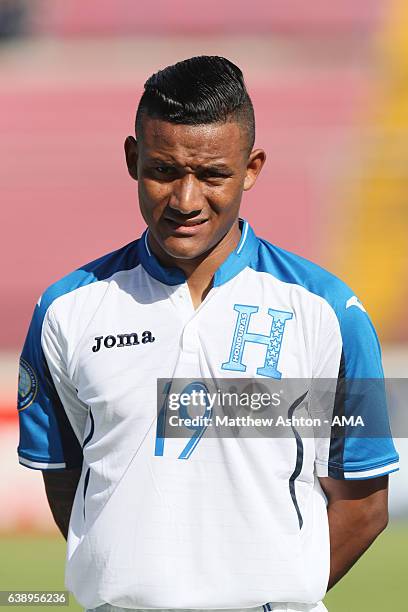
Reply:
x=163, y=173
x=212, y=176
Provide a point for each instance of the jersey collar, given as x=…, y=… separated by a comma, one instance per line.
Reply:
x=233, y=265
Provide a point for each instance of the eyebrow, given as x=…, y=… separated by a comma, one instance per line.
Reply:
x=218, y=166
x=215, y=166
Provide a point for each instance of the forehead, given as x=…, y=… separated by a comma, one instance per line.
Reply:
x=198, y=143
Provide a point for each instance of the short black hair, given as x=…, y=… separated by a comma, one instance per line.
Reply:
x=199, y=90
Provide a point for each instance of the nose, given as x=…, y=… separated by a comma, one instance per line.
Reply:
x=186, y=197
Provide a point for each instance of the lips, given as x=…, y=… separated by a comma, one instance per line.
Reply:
x=186, y=222
x=185, y=227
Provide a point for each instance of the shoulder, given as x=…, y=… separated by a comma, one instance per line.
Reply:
x=124, y=258
x=293, y=269
x=361, y=348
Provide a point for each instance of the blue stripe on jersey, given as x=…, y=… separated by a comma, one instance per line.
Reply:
x=240, y=258
x=91, y=430
x=361, y=353
x=167, y=275
x=299, y=460
x=88, y=472
x=86, y=484
x=45, y=433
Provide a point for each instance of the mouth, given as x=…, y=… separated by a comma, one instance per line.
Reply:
x=185, y=227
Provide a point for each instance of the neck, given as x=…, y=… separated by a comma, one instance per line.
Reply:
x=200, y=270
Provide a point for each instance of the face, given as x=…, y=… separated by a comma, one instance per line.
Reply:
x=190, y=183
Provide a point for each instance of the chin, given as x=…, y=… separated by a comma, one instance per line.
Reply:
x=183, y=250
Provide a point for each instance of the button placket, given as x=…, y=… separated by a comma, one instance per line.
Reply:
x=182, y=302
x=189, y=338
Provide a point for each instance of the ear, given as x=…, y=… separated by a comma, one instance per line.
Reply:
x=131, y=156
x=255, y=163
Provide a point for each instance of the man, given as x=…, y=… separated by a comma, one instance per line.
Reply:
x=209, y=523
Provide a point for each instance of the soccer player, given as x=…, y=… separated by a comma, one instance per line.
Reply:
x=200, y=523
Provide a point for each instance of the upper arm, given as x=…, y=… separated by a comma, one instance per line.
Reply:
x=373, y=488
x=48, y=440
x=365, y=499
x=61, y=482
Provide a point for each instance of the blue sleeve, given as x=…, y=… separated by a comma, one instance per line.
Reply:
x=47, y=440
x=362, y=451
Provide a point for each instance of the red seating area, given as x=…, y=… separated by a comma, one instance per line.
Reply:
x=73, y=17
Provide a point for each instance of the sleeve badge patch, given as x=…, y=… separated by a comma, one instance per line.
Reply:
x=27, y=385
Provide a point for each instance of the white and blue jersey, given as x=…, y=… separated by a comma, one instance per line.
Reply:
x=232, y=523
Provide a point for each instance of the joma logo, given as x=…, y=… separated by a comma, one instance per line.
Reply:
x=122, y=340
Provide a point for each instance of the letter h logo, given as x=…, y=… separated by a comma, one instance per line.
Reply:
x=272, y=342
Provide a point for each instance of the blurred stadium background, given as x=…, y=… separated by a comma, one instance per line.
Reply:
x=329, y=81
